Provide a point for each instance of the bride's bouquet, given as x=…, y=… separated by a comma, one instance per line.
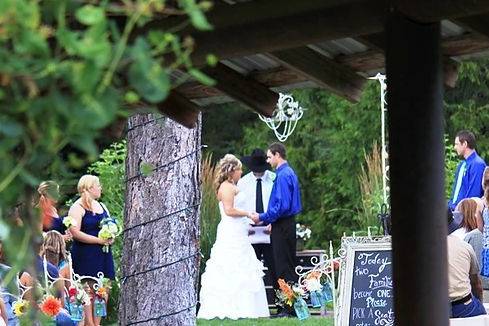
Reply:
x=108, y=230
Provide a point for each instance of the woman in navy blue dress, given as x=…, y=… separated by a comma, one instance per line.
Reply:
x=87, y=255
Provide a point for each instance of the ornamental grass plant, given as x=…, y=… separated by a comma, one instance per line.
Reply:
x=209, y=210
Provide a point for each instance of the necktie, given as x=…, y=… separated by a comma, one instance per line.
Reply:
x=459, y=182
x=259, y=197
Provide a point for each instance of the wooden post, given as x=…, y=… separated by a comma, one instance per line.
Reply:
x=160, y=260
x=415, y=116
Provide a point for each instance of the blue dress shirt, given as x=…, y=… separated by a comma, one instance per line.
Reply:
x=285, y=199
x=471, y=180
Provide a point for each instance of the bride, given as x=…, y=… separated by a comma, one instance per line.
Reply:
x=232, y=284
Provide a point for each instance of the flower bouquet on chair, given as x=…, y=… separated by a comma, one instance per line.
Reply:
x=77, y=298
x=100, y=305
x=313, y=285
x=291, y=297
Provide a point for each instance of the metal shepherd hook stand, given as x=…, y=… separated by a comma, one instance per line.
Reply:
x=384, y=216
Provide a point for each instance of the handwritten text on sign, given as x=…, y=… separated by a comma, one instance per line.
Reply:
x=372, y=289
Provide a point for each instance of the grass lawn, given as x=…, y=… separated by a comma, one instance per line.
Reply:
x=313, y=321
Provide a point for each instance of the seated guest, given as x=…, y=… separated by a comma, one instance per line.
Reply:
x=26, y=280
x=473, y=236
x=8, y=298
x=54, y=249
x=464, y=283
x=471, y=218
x=468, y=209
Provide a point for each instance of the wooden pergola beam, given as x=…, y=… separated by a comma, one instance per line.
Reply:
x=362, y=62
x=477, y=24
x=267, y=26
x=180, y=109
x=223, y=15
x=244, y=89
x=290, y=30
x=325, y=72
x=437, y=10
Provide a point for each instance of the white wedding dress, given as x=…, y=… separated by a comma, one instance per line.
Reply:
x=232, y=284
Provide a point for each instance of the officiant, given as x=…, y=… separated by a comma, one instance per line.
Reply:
x=255, y=188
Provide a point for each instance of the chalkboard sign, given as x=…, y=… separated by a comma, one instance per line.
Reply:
x=366, y=288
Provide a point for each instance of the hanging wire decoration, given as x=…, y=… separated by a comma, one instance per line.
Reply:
x=284, y=117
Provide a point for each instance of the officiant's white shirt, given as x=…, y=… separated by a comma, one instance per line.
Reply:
x=246, y=199
x=247, y=190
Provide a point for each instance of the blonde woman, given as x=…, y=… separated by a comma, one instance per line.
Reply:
x=232, y=284
x=48, y=197
x=87, y=252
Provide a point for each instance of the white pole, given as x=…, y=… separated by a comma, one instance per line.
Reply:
x=383, y=102
x=333, y=285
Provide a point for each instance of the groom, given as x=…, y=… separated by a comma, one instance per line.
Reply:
x=284, y=204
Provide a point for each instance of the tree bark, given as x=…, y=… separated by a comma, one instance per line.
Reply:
x=160, y=260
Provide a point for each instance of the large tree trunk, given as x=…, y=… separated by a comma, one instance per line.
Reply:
x=160, y=261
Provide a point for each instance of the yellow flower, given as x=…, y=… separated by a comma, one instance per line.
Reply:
x=20, y=307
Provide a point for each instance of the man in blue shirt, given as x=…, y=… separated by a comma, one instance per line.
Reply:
x=468, y=176
x=284, y=204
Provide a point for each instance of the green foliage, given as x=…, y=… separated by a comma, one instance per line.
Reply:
x=451, y=162
x=69, y=69
x=326, y=151
x=223, y=126
x=110, y=169
x=209, y=210
x=466, y=106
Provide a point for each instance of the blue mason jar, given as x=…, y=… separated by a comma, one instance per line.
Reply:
x=327, y=292
x=76, y=312
x=100, y=307
x=301, y=310
x=317, y=299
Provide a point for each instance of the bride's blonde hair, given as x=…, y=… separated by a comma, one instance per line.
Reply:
x=227, y=165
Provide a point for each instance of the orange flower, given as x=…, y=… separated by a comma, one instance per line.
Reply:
x=314, y=274
x=286, y=289
x=102, y=292
x=51, y=306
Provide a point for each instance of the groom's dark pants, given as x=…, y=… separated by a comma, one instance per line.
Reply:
x=284, y=248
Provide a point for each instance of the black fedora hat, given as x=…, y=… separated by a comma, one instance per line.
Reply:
x=257, y=161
